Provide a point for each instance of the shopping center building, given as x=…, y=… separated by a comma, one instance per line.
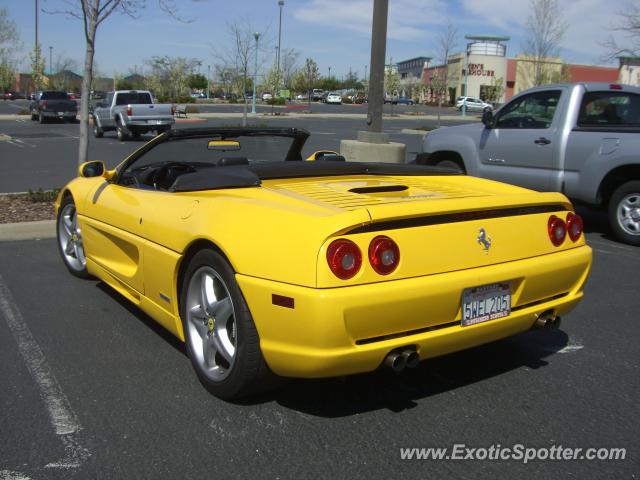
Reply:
x=484, y=71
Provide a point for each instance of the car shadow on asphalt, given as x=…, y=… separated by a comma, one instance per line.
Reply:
x=596, y=222
x=143, y=317
x=383, y=389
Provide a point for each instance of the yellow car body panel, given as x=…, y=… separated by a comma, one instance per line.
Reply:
x=275, y=237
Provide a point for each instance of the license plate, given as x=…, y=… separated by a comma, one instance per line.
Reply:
x=158, y=122
x=484, y=303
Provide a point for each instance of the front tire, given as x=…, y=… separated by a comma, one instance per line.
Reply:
x=220, y=336
x=451, y=165
x=69, y=239
x=624, y=213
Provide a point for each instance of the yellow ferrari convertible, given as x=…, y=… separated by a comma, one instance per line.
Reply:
x=266, y=264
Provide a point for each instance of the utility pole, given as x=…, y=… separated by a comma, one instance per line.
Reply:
x=466, y=80
x=280, y=4
x=373, y=145
x=378, y=53
x=208, y=82
x=366, y=81
x=35, y=87
x=255, y=74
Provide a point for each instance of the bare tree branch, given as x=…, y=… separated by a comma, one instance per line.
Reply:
x=628, y=27
x=545, y=30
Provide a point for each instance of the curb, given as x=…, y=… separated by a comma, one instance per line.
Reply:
x=27, y=230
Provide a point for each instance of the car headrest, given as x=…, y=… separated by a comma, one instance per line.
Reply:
x=227, y=161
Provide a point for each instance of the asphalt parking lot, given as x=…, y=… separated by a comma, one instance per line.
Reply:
x=92, y=388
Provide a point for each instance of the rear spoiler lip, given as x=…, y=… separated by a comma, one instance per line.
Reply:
x=439, y=219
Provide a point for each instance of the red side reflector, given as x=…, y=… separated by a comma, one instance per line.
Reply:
x=282, y=301
x=615, y=86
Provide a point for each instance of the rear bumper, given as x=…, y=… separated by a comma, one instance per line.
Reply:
x=150, y=123
x=58, y=114
x=340, y=331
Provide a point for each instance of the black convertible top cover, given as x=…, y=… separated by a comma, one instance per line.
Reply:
x=242, y=176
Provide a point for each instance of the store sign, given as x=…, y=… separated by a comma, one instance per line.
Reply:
x=477, y=70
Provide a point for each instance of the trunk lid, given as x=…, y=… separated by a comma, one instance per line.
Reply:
x=440, y=223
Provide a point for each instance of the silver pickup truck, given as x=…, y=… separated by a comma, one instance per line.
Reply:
x=579, y=139
x=131, y=113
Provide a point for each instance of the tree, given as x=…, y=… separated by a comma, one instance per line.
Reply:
x=9, y=44
x=59, y=76
x=307, y=77
x=169, y=76
x=545, y=29
x=272, y=80
x=629, y=28
x=197, y=81
x=37, y=67
x=494, y=92
x=391, y=82
x=288, y=65
x=447, y=41
x=238, y=57
x=93, y=13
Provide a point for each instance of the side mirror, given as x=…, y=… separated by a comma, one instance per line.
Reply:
x=488, y=119
x=95, y=168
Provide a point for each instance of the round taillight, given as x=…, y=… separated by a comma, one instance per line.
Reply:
x=384, y=255
x=575, y=226
x=344, y=258
x=557, y=230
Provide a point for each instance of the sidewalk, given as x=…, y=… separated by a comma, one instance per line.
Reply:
x=27, y=230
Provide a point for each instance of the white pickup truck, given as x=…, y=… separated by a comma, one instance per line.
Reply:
x=131, y=113
x=580, y=139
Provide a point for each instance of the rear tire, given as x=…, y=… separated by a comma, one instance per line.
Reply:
x=624, y=213
x=42, y=119
x=221, y=338
x=121, y=133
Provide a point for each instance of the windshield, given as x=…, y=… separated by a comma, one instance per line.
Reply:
x=198, y=153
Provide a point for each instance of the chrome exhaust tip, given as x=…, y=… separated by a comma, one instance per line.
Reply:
x=411, y=357
x=395, y=361
x=547, y=319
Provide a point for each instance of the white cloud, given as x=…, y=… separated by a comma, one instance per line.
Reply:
x=587, y=23
x=408, y=19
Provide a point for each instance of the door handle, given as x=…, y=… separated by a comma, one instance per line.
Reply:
x=542, y=141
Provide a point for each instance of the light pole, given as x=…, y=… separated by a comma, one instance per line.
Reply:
x=280, y=4
x=255, y=74
x=366, y=81
x=466, y=80
x=50, y=60
x=208, y=82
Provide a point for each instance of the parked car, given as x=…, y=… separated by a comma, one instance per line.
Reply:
x=317, y=94
x=301, y=96
x=364, y=265
x=198, y=95
x=472, y=104
x=360, y=98
x=73, y=96
x=402, y=101
x=334, y=98
x=50, y=105
x=17, y=96
x=131, y=112
x=266, y=96
x=579, y=139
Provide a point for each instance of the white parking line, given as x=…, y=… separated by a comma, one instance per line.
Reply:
x=61, y=415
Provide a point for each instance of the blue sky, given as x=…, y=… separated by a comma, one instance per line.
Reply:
x=335, y=33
